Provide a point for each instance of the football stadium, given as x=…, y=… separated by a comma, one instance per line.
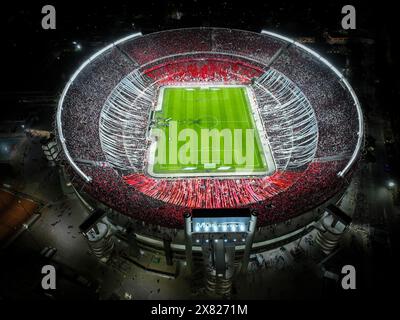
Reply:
x=209, y=145
x=199, y=157
x=306, y=118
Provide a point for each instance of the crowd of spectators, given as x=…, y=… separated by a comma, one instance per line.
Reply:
x=168, y=59
x=289, y=120
x=198, y=69
x=177, y=42
x=124, y=121
x=333, y=105
x=84, y=101
x=276, y=198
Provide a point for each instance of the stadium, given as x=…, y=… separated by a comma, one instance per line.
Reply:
x=199, y=151
x=119, y=111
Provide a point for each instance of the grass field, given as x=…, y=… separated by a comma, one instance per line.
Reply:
x=196, y=112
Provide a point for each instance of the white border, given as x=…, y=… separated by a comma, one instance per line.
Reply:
x=271, y=166
x=360, y=132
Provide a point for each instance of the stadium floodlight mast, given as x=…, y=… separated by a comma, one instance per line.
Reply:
x=348, y=86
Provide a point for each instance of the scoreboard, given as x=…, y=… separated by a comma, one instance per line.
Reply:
x=220, y=220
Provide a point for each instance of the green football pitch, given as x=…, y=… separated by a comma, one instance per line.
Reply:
x=206, y=131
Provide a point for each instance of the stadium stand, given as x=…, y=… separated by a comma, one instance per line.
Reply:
x=309, y=116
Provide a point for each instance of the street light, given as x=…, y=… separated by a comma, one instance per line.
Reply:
x=391, y=184
x=77, y=46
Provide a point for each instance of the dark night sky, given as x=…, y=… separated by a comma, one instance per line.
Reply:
x=34, y=59
x=31, y=51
